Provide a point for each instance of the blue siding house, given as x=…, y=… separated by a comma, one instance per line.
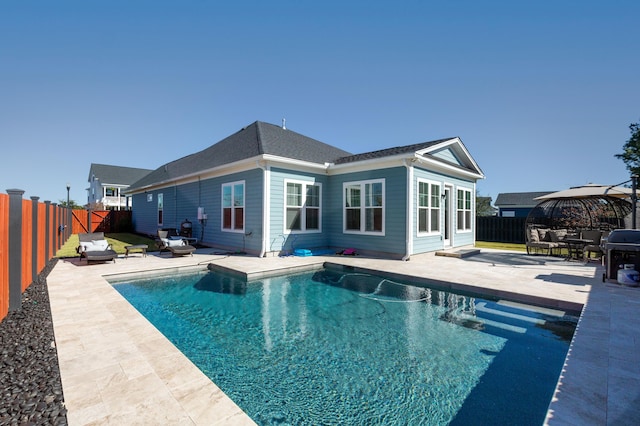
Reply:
x=267, y=190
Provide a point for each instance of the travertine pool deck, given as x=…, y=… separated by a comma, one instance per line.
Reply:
x=117, y=368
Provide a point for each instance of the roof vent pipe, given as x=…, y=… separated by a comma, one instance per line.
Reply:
x=284, y=123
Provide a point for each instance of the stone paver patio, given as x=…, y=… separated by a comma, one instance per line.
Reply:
x=117, y=368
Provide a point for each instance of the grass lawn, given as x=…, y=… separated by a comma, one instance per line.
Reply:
x=501, y=246
x=118, y=242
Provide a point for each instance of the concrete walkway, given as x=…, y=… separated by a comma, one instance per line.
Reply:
x=117, y=368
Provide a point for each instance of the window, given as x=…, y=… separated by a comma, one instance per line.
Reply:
x=160, y=207
x=428, y=207
x=233, y=206
x=464, y=210
x=364, y=207
x=302, y=206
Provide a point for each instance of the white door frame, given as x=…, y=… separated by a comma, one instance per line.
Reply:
x=449, y=216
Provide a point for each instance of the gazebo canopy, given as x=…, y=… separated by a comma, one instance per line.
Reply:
x=587, y=212
x=591, y=190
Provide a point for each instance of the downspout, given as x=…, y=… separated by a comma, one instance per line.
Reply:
x=266, y=191
x=408, y=163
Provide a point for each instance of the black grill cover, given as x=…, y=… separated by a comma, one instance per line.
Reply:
x=624, y=236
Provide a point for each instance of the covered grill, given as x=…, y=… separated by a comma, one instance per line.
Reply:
x=622, y=247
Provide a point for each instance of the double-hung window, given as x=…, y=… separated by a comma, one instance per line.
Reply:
x=428, y=207
x=364, y=207
x=302, y=206
x=160, y=209
x=233, y=206
x=464, y=209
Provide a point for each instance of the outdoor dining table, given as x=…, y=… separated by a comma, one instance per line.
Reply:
x=576, y=247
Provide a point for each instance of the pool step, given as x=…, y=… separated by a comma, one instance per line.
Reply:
x=477, y=321
x=462, y=253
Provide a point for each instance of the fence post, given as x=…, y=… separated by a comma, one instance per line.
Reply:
x=15, y=249
x=47, y=231
x=34, y=237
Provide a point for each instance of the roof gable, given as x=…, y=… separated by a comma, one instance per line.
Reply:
x=388, y=152
x=449, y=153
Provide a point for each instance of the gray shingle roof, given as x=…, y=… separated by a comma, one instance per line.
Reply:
x=388, y=152
x=116, y=175
x=257, y=139
x=519, y=199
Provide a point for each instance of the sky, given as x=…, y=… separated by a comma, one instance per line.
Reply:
x=541, y=93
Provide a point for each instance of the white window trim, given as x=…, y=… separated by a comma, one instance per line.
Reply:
x=429, y=208
x=303, y=208
x=244, y=207
x=363, y=208
x=471, y=209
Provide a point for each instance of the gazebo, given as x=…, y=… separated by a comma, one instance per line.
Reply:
x=591, y=206
x=595, y=212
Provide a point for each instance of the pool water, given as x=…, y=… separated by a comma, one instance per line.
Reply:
x=336, y=347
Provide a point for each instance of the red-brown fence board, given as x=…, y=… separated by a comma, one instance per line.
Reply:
x=79, y=222
x=99, y=221
x=42, y=232
x=27, y=243
x=4, y=255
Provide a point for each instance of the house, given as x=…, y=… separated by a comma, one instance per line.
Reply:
x=107, y=185
x=267, y=190
x=484, y=207
x=517, y=204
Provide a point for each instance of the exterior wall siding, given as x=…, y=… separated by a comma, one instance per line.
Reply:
x=284, y=241
x=181, y=202
x=211, y=198
x=514, y=211
x=433, y=242
x=447, y=154
x=393, y=243
x=144, y=213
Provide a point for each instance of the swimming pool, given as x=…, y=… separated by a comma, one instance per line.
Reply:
x=340, y=347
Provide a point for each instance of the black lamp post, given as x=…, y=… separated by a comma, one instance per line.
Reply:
x=68, y=188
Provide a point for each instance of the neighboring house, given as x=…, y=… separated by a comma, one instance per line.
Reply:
x=267, y=190
x=517, y=204
x=484, y=207
x=107, y=185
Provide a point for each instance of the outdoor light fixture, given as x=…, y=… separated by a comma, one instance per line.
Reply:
x=68, y=188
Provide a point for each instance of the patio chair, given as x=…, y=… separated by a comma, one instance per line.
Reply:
x=95, y=248
x=175, y=244
x=594, y=247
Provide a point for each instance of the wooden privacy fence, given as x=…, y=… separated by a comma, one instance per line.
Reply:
x=500, y=229
x=100, y=221
x=31, y=232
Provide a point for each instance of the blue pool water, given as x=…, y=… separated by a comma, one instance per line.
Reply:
x=336, y=347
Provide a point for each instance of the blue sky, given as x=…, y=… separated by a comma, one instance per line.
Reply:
x=541, y=93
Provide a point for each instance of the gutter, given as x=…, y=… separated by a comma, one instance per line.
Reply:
x=266, y=191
